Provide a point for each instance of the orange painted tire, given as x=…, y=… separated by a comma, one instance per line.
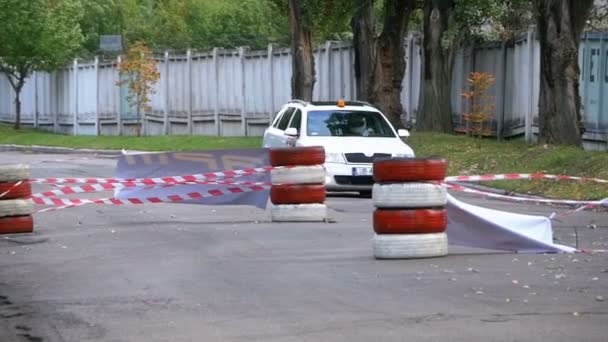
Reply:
x=297, y=194
x=410, y=169
x=16, y=224
x=417, y=221
x=288, y=156
x=20, y=191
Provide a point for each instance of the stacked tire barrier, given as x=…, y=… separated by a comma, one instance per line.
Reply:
x=15, y=209
x=298, y=184
x=410, y=217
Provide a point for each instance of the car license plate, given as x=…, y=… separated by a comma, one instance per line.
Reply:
x=363, y=171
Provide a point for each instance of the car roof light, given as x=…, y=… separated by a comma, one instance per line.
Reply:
x=341, y=103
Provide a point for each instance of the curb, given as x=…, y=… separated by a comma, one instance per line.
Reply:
x=516, y=194
x=493, y=190
x=53, y=149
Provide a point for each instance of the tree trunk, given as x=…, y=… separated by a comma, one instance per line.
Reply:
x=435, y=113
x=363, y=42
x=389, y=64
x=17, y=108
x=560, y=25
x=303, y=63
x=17, y=87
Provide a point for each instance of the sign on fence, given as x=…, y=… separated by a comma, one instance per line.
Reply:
x=111, y=43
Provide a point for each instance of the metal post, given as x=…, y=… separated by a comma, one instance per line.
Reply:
x=119, y=102
x=587, y=72
x=35, y=99
x=271, y=83
x=56, y=111
x=409, y=80
x=601, y=80
x=75, y=121
x=529, y=113
x=189, y=92
x=243, y=91
x=97, y=123
x=166, y=106
x=500, y=90
x=351, y=66
x=216, y=109
x=342, y=86
x=329, y=71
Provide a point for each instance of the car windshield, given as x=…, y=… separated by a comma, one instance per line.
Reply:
x=329, y=123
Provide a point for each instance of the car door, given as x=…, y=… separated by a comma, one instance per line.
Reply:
x=296, y=122
x=273, y=135
x=279, y=137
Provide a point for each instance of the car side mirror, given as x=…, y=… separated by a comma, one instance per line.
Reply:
x=404, y=133
x=291, y=131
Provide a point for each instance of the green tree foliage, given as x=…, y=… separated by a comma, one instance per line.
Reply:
x=137, y=20
x=514, y=18
x=102, y=17
x=183, y=24
x=483, y=20
x=328, y=19
x=174, y=24
x=252, y=23
x=36, y=35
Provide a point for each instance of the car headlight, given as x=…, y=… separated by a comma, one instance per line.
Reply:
x=334, y=158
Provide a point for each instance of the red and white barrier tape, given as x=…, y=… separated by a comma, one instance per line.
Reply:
x=603, y=202
x=211, y=176
x=61, y=203
x=89, y=188
x=11, y=188
x=587, y=204
x=520, y=176
x=75, y=204
x=227, y=178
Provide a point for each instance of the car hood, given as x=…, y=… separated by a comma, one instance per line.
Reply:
x=367, y=145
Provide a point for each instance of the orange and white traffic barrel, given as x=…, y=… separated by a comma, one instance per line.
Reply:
x=410, y=217
x=298, y=184
x=15, y=210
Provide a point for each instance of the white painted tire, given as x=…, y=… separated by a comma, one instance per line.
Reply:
x=409, y=195
x=314, y=174
x=410, y=246
x=16, y=207
x=14, y=172
x=298, y=212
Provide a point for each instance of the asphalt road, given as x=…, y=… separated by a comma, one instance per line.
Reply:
x=174, y=272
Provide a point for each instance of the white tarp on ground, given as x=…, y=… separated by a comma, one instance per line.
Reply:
x=474, y=226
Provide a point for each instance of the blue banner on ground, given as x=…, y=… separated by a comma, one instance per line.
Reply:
x=149, y=165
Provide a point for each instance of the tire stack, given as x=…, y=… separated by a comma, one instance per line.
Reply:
x=298, y=190
x=15, y=210
x=410, y=217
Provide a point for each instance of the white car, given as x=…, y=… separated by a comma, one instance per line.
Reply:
x=352, y=133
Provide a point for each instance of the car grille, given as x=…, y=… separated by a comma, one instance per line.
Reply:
x=362, y=158
x=354, y=180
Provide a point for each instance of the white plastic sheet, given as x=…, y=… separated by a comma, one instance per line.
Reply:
x=474, y=226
